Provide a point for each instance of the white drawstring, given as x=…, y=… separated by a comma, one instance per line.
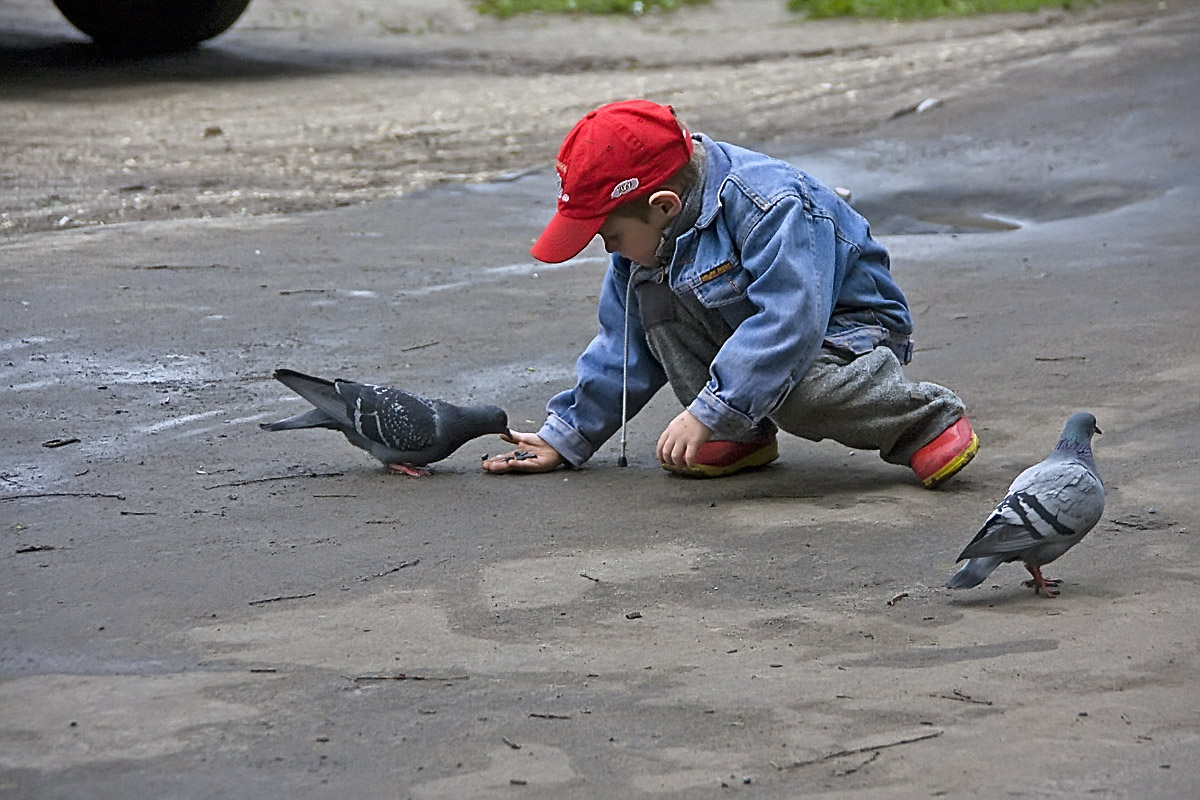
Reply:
x=622, y=461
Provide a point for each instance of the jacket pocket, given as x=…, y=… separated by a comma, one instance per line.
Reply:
x=721, y=285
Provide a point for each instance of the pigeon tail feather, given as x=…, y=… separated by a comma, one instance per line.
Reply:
x=313, y=418
x=318, y=391
x=974, y=572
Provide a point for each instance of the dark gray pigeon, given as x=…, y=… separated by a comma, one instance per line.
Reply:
x=1049, y=508
x=402, y=430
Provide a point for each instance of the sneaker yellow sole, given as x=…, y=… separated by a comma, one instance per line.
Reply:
x=954, y=465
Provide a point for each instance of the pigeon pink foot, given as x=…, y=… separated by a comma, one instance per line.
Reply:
x=1040, y=584
x=409, y=469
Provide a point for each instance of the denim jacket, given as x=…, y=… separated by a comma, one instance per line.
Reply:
x=786, y=262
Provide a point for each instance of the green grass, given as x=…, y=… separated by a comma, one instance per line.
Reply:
x=923, y=9
x=509, y=8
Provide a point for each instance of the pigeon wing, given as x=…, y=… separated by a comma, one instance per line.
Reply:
x=1050, y=503
x=394, y=418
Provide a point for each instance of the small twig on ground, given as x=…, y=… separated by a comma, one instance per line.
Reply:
x=281, y=597
x=418, y=346
x=896, y=598
x=61, y=494
x=511, y=744
x=35, y=548
x=182, y=266
x=962, y=697
x=274, y=478
x=549, y=716
x=853, y=770
x=864, y=749
x=589, y=577
x=397, y=568
x=402, y=676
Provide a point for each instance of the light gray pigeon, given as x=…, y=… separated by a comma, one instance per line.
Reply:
x=402, y=430
x=1049, y=508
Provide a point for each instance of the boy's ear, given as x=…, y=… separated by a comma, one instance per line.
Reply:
x=667, y=202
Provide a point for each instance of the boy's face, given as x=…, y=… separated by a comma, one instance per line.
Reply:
x=635, y=238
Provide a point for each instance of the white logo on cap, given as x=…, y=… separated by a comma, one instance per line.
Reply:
x=624, y=187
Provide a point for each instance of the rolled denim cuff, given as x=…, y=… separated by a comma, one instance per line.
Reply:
x=722, y=419
x=569, y=443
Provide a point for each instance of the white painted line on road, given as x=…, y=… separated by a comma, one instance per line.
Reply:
x=32, y=385
x=530, y=267
x=28, y=341
x=507, y=270
x=211, y=428
x=248, y=419
x=442, y=287
x=167, y=424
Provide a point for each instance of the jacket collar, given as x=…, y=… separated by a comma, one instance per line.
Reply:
x=717, y=166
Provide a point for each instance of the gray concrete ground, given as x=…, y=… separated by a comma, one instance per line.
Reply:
x=192, y=608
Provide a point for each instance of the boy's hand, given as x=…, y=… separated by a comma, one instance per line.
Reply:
x=681, y=441
x=532, y=455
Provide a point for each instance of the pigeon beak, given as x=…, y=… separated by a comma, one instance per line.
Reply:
x=1097, y=427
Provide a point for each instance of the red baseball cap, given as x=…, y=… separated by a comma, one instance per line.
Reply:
x=615, y=154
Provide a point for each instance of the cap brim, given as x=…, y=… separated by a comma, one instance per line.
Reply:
x=564, y=237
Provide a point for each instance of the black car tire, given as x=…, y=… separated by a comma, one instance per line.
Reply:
x=149, y=26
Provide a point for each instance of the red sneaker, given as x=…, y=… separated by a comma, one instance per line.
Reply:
x=941, y=459
x=718, y=457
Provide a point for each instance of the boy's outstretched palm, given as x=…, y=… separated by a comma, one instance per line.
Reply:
x=532, y=455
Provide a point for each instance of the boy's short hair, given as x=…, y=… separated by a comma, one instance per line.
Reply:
x=680, y=183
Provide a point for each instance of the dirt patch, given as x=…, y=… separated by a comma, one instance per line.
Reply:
x=371, y=99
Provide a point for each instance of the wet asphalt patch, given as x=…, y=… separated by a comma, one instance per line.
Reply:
x=954, y=209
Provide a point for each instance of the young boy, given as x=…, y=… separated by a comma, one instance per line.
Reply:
x=752, y=289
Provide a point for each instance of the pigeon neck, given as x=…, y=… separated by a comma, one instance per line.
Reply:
x=1073, y=446
x=483, y=420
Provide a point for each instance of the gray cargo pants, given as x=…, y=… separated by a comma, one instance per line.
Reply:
x=864, y=402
